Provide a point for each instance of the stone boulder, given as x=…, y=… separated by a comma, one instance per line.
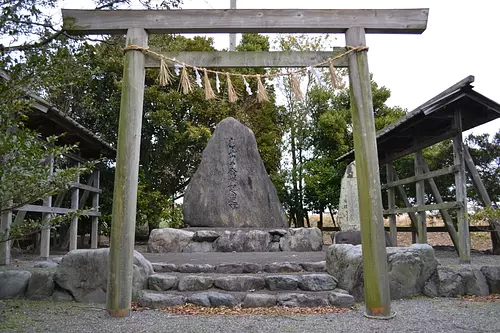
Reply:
x=456, y=281
x=231, y=187
x=41, y=285
x=243, y=241
x=408, y=268
x=492, y=275
x=14, y=283
x=84, y=274
x=353, y=237
x=169, y=240
x=302, y=240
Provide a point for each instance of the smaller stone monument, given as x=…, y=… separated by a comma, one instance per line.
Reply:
x=231, y=188
x=348, y=214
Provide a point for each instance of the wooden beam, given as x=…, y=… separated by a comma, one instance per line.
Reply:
x=94, y=234
x=429, y=229
x=420, y=177
x=424, y=208
x=404, y=197
x=251, y=59
x=444, y=213
x=5, y=225
x=121, y=254
x=461, y=191
x=55, y=210
x=420, y=196
x=391, y=199
x=400, y=21
x=86, y=187
x=376, y=281
x=45, y=232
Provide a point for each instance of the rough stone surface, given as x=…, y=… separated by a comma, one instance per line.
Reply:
x=274, y=247
x=300, y=300
x=278, y=232
x=340, y=300
x=193, y=268
x=239, y=282
x=14, y=283
x=157, y=301
x=302, y=240
x=430, y=289
x=282, y=267
x=160, y=267
x=458, y=281
x=282, y=282
x=205, y=236
x=231, y=187
x=169, y=240
x=243, y=241
x=259, y=301
x=275, y=238
x=408, y=268
x=319, y=266
x=250, y=267
x=161, y=282
x=62, y=296
x=41, y=285
x=492, y=275
x=212, y=298
x=317, y=282
x=195, y=283
x=199, y=247
x=45, y=264
x=348, y=214
x=236, y=268
x=84, y=273
x=353, y=237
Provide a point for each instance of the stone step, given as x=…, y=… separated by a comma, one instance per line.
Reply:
x=241, y=267
x=263, y=298
x=242, y=282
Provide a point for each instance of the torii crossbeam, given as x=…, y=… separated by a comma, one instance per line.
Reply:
x=355, y=23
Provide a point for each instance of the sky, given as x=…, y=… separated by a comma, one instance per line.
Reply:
x=459, y=41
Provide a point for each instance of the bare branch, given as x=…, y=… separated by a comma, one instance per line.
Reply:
x=29, y=46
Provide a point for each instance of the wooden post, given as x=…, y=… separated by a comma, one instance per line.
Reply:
x=45, y=234
x=391, y=199
x=377, y=297
x=94, y=237
x=121, y=255
x=420, y=196
x=5, y=224
x=461, y=191
x=73, y=227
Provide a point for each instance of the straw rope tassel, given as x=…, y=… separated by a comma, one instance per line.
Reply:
x=166, y=77
x=232, y=96
x=185, y=81
x=262, y=95
x=296, y=87
x=209, y=92
x=333, y=75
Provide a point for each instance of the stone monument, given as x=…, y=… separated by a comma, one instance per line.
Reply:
x=348, y=214
x=231, y=188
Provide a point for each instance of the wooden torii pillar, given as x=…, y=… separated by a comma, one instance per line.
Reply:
x=355, y=23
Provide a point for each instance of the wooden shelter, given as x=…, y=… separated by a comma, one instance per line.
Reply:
x=457, y=109
x=48, y=120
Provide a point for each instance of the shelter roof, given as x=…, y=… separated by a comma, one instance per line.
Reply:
x=432, y=122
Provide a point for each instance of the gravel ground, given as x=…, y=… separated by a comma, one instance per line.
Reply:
x=416, y=315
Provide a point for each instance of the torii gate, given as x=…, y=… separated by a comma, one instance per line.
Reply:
x=355, y=23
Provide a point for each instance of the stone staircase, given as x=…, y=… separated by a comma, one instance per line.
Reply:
x=245, y=284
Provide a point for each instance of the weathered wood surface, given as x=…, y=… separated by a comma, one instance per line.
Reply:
x=400, y=21
x=429, y=229
x=119, y=292
x=404, y=197
x=420, y=177
x=94, y=234
x=45, y=232
x=5, y=225
x=55, y=210
x=251, y=59
x=86, y=187
x=391, y=200
x=444, y=213
x=377, y=297
x=420, y=196
x=423, y=208
x=461, y=191
x=73, y=227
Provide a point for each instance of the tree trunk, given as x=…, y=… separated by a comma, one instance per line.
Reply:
x=331, y=215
